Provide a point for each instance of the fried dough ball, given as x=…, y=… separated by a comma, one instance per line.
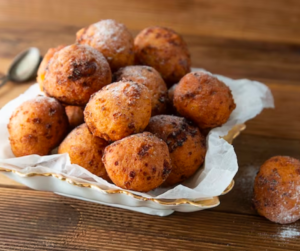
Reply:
x=149, y=77
x=37, y=126
x=140, y=162
x=85, y=150
x=118, y=110
x=112, y=39
x=75, y=73
x=44, y=65
x=164, y=50
x=75, y=115
x=204, y=99
x=186, y=145
x=276, y=190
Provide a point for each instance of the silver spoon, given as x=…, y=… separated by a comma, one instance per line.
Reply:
x=23, y=67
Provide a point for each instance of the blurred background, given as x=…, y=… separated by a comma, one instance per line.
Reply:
x=256, y=39
x=235, y=38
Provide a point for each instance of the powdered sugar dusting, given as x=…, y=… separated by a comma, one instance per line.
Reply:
x=288, y=215
x=42, y=99
x=120, y=50
x=109, y=28
x=120, y=88
x=116, y=89
x=289, y=232
x=109, y=34
x=137, y=73
x=283, y=233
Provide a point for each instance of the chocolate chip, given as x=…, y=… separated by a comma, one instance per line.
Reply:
x=167, y=169
x=144, y=150
x=153, y=169
x=36, y=120
x=82, y=69
x=132, y=174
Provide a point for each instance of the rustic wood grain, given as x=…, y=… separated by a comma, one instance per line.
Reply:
x=252, y=151
x=284, y=120
x=39, y=220
x=251, y=20
x=236, y=58
x=277, y=65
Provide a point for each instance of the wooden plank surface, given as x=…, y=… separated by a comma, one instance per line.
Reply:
x=259, y=40
x=237, y=58
x=267, y=20
x=252, y=151
x=277, y=65
x=48, y=221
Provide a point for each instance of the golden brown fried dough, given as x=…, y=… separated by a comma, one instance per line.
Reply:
x=186, y=145
x=204, y=99
x=149, y=77
x=276, y=190
x=37, y=126
x=75, y=73
x=75, y=115
x=110, y=38
x=164, y=50
x=44, y=65
x=118, y=110
x=140, y=162
x=85, y=150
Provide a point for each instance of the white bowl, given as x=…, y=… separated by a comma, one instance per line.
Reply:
x=68, y=187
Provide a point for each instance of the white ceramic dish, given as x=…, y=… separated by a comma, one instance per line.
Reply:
x=117, y=198
x=55, y=172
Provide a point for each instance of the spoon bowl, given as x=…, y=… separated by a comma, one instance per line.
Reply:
x=23, y=67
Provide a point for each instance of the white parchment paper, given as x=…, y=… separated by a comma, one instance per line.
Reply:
x=220, y=165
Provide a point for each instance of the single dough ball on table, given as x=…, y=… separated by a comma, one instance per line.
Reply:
x=140, y=162
x=276, y=190
x=44, y=65
x=118, y=110
x=149, y=77
x=186, y=144
x=75, y=73
x=204, y=99
x=37, y=126
x=85, y=150
x=164, y=50
x=75, y=115
x=112, y=39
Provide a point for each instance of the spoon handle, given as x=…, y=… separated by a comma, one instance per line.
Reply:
x=4, y=80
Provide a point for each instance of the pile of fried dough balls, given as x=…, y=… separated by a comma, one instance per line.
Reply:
x=107, y=105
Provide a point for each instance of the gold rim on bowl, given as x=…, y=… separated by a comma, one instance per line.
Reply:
x=233, y=133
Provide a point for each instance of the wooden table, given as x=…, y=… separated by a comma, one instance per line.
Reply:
x=241, y=39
